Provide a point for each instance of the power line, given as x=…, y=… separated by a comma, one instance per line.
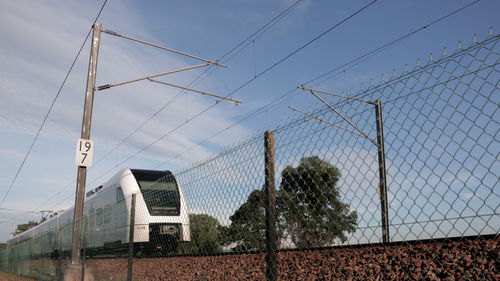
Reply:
x=356, y=61
x=203, y=75
x=51, y=106
x=19, y=211
x=375, y=51
x=277, y=100
x=251, y=39
x=200, y=77
x=347, y=66
x=389, y=101
x=240, y=87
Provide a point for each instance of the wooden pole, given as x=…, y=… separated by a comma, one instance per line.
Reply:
x=271, y=235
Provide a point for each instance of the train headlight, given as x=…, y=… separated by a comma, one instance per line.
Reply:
x=169, y=229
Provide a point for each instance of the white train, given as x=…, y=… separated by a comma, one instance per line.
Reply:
x=161, y=217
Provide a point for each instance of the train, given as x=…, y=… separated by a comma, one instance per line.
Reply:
x=161, y=219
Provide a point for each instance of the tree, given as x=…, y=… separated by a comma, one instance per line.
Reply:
x=3, y=246
x=308, y=201
x=308, y=209
x=248, y=225
x=23, y=227
x=205, y=234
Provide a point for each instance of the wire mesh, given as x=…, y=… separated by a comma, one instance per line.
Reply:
x=208, y=222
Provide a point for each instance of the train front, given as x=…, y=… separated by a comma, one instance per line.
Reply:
x=161, y=214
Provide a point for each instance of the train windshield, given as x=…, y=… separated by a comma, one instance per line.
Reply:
x=160, y=191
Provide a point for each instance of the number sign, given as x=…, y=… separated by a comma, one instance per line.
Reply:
x=84, y=153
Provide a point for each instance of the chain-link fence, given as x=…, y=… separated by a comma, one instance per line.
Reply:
x=402, y=183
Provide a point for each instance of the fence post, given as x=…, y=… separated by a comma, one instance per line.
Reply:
x=382, y=171
x=271, y=236
x=131, y=239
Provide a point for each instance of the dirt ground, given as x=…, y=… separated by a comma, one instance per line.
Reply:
x=5, y=276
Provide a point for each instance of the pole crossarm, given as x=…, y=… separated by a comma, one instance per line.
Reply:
x=161, y=47
x=380, y=150
x=107, y=86
x=324, y=121
x=194, y=90
x=337, y=95
x=343, y=117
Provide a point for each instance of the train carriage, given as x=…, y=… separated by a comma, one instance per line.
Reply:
x=161, y=220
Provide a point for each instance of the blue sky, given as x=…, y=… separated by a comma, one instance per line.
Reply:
x=41, y=38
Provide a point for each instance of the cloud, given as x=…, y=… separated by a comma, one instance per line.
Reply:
x=11, y=154
x=117, y=112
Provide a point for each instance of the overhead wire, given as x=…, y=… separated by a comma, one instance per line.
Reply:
x=18, y=211
x=375, y=51
x=239, y=88
x=51, y=106
x=341, y=68
x=223, y=59
x=350, y=64
x=354, y=61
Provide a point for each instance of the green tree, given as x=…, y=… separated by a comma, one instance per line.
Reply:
x=309, y=203
x=23, y=227
x=248, y=225
x=3, y=246
x=205, y=234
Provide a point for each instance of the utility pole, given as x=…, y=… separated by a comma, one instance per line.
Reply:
x=382, y=171
x=85, y=145
x=82, y=170
x=271, y=235
x=379, y=143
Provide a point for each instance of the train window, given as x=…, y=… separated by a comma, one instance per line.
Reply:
x=99, y=216
x=160, y=192
x=107, y=214
x=119, y=194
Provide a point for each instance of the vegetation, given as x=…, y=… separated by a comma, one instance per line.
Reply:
x=205, y=235
x=309, y=204
x=23, y=227
x=309, y=210
x=248, y=225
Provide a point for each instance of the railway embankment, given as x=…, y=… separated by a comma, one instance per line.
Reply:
x=459, y=259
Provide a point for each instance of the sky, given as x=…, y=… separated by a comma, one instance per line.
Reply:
x=40, y=40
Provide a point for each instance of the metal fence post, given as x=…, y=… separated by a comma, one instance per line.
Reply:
x=382, y=172
x=131, y=239
x=271, y=236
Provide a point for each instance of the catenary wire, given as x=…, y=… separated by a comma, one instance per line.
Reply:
x=356, y=61
x=352, y=63
x=239, y=88
x=341, y=68
x=362, y=58
x=224, y=58
x=361, y=94
x=51, y=106
x=204, y=74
